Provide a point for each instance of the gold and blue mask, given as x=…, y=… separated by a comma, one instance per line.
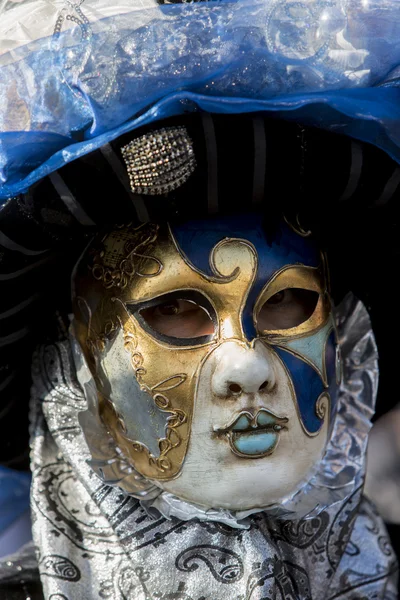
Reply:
x=214, y=355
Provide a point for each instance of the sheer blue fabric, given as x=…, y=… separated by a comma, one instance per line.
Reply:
x=328, y=63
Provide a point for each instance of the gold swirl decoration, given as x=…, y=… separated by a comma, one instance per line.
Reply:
x=133, y=265
x=116, y=271
x=322, y=406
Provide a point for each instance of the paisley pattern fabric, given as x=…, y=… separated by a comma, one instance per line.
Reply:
x=94, y=541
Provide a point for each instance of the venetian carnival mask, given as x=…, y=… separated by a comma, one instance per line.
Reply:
x=214, y=355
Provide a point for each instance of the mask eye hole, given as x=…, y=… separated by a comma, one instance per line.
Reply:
x=178, y=319
x=286, y=309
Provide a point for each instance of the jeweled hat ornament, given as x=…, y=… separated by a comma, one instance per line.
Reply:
x=159, y=162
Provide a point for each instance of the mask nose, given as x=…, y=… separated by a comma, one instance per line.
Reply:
x=242, y=371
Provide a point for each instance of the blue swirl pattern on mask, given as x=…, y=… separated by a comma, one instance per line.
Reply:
x=308, y=387
x=307, y=382
x=196, y=239
x=315, y=62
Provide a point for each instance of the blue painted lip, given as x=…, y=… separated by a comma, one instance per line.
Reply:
x=255, y=435
x=255, y=444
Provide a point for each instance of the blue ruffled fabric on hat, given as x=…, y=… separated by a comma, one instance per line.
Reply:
x=320, y=62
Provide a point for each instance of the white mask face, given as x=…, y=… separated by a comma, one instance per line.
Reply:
x=213, y=356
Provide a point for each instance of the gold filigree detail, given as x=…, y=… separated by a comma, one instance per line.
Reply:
x=322, y=406
x=176, y=419
x=96, y=338
x=113, y=271
x=215, y=257
x=297, y=227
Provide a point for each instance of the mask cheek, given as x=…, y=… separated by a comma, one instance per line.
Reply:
x=213, y=475
x=147, y=399
x=139, y=418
